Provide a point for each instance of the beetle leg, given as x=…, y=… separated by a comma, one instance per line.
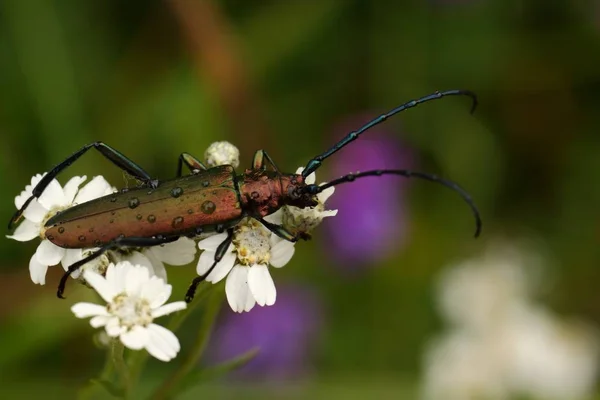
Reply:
x=111, y=154
x=191, y=162
x=260, y=160
x=282, y=232
x=119, y=242
x=221, y=250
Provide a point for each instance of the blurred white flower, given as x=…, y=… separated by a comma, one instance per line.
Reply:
x=502, y=345
x=54, y=199
x=246, y=264
x=304, y=220
x=134, y=299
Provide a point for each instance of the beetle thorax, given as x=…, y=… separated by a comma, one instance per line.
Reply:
x=264, y=192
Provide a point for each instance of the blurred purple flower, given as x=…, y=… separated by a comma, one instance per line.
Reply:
x=371, y=221
x=285, y=333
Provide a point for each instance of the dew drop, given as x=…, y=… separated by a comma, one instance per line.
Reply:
x=50, y=237
x=151, y=218
x=82, y=238
x=206, y=183
x=134, y=202
x=111, y=221
x=139, y=217
x=208, y=207
x=254, y=195
x=61, y=230
x=97, y=242
x=177, y=222
x=190, y=211
x=176, y=192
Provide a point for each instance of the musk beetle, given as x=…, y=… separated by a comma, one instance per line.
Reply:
x=158, y=212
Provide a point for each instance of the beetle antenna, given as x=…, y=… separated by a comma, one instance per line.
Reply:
x=316, y=161
x=314, y=189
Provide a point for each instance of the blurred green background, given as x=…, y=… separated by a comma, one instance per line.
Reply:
x=154, y=79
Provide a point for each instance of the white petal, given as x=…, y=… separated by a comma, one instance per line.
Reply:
x=95, y=188
x=261, y=285
x=325, y=194
x=207, y=258
x=179, y=252
x=222, y=268
x=113, y=327
x=53, y=196
x=48, y=253
x=158, y=268
x=116, y=275
x=310, y=179
x=163, y=344
x=137, y=258
x=136, y=338
x=37, y=271
x=275, y=218
x=156, y=291
x=212, y=242
x=136, y=277
x=99, y=320
x=238, y=293
x=71, y=256
x=35, y=212
x=281, y=253
x=97, y=281
x=71, y=188
x=86, y=310
x=328, y=213
x=169, y=308
x=26, y=231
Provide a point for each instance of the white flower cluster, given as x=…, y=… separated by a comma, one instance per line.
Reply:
x=502, y=345
x=133, y=281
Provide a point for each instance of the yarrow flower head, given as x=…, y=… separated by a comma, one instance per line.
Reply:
x=246, y=264
x=54, y=199
x=222, y=153
x=303, y=220
x=134, y=299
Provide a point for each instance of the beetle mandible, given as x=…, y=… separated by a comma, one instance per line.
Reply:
x=208, y=200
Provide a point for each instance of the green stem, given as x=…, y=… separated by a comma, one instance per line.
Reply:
x=93, y=387
x=117, y=350
x=171, y=384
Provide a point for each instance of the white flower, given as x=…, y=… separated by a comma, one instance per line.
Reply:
x=55, y=198
x=134, y=300
x=180, y=252
x=246, y=261
x=304, y=220
x=222, y=153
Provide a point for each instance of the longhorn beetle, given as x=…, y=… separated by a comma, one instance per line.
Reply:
x=207, y=200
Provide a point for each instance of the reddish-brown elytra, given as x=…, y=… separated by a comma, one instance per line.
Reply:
x=207, y=200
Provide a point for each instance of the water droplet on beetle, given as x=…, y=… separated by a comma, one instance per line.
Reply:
x=61, y=230
x=254, y=195
x=208, y=207
x=177, y=222
x=151, y=218
x=82, y=238
x=176, y=192
x=139, y=217
x=206, y=183
x=50, y=237
x=134, y=202
x=190, y=211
